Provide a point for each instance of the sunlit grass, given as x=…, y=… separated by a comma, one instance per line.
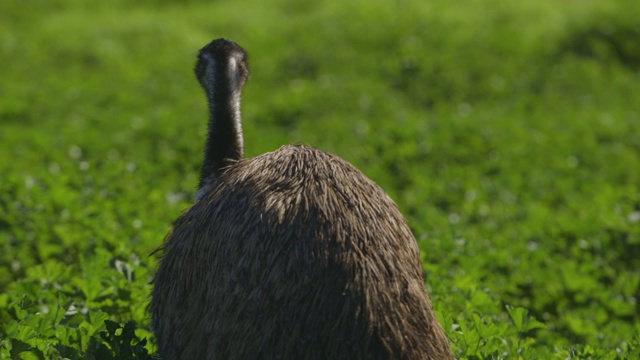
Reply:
x=508, y=133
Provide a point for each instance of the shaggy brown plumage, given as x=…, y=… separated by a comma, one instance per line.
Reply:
x=294, y=254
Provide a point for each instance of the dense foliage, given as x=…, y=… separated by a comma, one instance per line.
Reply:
x=507, y=131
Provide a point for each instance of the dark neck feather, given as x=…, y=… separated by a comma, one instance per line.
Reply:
x=224, y=140
x=222, y=71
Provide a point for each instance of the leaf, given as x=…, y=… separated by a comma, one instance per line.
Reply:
x=518, y=316
x=522, y=321
x=19, y=348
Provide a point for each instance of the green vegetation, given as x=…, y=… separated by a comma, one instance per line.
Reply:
x=507, y=131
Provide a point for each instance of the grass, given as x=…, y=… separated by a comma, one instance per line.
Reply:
x=507, y=132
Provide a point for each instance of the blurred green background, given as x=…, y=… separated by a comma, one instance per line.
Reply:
x=507, y=132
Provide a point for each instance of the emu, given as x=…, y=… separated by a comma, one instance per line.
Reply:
x=294, y=254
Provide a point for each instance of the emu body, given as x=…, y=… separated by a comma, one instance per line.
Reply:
x=294, y=254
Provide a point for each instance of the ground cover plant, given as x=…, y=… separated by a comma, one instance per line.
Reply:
x=507, y=132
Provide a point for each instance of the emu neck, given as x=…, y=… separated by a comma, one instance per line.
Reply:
x=224, y=141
